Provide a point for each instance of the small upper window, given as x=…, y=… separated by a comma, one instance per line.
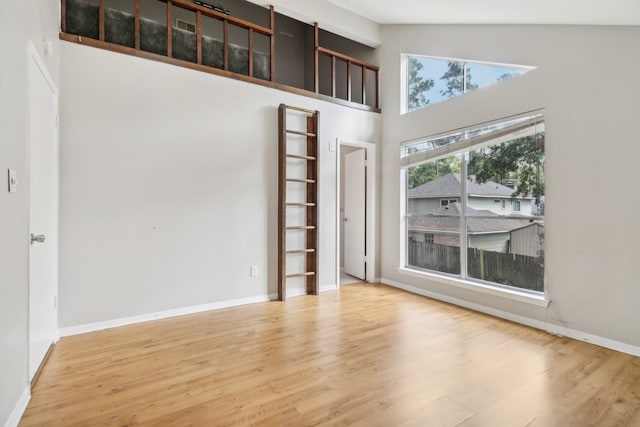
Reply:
x=515, y=205
x=185, y=25
x=431, y=80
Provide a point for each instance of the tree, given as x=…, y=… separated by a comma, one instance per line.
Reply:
x=418, y=85
x=505, y=76
x=520, y=160
x=454, y=78
x=426, y=172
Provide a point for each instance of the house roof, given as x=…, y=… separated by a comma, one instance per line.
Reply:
x=447, y=219
x=533, y=224
x=449, y=186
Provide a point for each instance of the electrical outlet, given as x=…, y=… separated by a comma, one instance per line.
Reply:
x=254, y=271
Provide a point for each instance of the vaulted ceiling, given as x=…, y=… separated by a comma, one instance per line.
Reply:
x=580, y=12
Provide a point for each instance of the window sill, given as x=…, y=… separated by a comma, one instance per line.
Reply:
x=532, y=298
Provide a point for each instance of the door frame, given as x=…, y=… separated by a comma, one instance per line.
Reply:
x=371, y=207
x=34, y=59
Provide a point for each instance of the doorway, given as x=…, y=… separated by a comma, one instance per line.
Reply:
x=353, y=243
x=356, y=249
x=43, y=211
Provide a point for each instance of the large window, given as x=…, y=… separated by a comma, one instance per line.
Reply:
x=457, y=186
x=430, y=80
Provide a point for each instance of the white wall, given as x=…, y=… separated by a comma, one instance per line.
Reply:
x=169, y=185
x=592, y=146
x=19, y=22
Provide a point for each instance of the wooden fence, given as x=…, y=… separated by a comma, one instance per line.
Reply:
x=434, y=257
x=520, y=271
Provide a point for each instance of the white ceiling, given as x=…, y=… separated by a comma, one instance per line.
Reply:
x=580, y=12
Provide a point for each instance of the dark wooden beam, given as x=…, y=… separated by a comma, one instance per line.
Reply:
x=101, y=20
x=272, y=42
x=364, y=85
x=333, y=76
x=250, y=52
x=348, y=81
x=63, y=15
x=169, y=30
x=347, y=58
x=316, y=60
x=226, y=45
x=199, y=36
x=377, y=74
x=312, y=264
x=137, y=24
x=282, y=208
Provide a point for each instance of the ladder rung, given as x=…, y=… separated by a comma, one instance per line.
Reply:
x=302, y=110
x=308, y=181
x=301, y=227
x=297, y=132
x=301, y=204
x=295, y=156
x=301, y=251
x=308, y=273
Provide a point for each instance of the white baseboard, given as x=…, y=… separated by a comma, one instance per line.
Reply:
x=545, y=326
x=99, y=326
x=327, y=288
x=18, y=410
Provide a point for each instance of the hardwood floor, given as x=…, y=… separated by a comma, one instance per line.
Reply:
x=367, y=355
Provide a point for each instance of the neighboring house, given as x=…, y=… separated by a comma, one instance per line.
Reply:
x=485, y=229
x=528, y=240
x=489, y=196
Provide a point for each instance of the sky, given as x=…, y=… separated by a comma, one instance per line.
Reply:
x=481, y=75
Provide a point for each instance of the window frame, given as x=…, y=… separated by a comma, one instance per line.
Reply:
x=462, y=280
x=404, y=76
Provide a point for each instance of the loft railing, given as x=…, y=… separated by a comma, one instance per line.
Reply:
x=135, y=33
x=334, y=56
x=168, y=50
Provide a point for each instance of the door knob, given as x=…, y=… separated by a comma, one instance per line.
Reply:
x=40, y=238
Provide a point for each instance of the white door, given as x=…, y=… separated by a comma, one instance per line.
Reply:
x=43, y=193
x=355, y=190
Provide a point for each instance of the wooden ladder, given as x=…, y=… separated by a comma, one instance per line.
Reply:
x=298, y=168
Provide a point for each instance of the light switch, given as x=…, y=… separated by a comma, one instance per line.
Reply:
x=13, y=181
x=332, y=146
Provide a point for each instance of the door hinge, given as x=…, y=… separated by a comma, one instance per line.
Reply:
x=57, y=120
x=55, y=301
